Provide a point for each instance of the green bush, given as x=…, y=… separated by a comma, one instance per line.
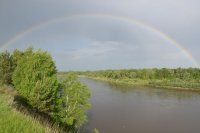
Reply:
x=6, y=68
x=75, y=101
x=17, y=55
x=36, y=81
x=35, y=78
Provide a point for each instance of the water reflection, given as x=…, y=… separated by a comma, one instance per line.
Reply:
x=162, y=93
x=126, y=109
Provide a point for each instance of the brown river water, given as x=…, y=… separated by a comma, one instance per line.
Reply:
x=123, y=109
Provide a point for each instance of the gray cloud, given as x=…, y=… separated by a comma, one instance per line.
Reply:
x=100, y=42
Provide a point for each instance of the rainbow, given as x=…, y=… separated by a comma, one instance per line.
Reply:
x=121, y=18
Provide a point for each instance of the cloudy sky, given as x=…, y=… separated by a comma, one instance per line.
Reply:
x=105, y=34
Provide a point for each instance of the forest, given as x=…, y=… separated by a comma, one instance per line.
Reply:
x=177, y=78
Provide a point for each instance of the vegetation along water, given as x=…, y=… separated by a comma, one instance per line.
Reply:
x=179, y=78
x=127, y=109
x=33, y=92
x=33, y=74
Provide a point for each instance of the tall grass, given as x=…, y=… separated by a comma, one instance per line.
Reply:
x=12, y=121
x=15, y=121
x=162, y=83
x=188, y=85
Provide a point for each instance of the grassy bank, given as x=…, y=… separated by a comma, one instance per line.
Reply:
x=14, y=121
x=165, y=84
x=170, y=78
x=176, y=84
x=133, y=82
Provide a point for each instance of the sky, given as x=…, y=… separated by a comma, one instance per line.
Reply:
x=105, y=34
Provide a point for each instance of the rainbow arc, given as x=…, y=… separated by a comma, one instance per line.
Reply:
x=130, y=20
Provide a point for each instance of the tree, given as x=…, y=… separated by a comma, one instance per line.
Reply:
x=36, y=81
x=75, y=101
x=6, y=68
x=16, y=56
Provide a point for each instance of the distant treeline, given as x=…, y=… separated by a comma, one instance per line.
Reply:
x=179, y=77
x=155, y=73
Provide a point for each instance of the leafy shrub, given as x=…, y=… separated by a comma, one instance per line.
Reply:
x=75, y=101
x=35, y=80
x=6, y=68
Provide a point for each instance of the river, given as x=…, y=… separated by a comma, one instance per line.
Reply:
x=123, y=109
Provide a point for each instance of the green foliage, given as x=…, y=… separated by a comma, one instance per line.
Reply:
x=34, y=76
x=16, y=56
x=35, y=80
x=75, y=101
x=96, y=131
x=180, y=77
x=43, y=95
x=164, y=73
x=12, y=121
x=6, y=68
x=8, y=63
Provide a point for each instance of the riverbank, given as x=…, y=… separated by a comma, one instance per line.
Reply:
x=162, y=84
x=141, y=109
x=12, y=121
x=133, y=82
x=15, y=121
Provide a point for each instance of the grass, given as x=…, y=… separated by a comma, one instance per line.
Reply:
x=14, y=121
x=176, y=84
x=133, y=82
x=166, y=84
